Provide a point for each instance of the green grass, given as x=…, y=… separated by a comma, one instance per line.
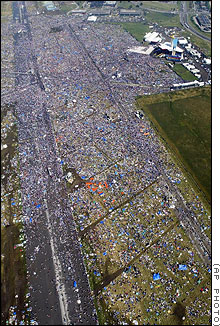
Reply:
x=126, y=5
x=163, y=19
x=67, y=7
x=185, y=123
x=184, y=73
x=137, y=30
x=6, y=11
x=159, y=5
x=205, y=46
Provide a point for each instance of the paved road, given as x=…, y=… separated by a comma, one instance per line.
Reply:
x=184, y=21
x=59, y=288
x=183, y=13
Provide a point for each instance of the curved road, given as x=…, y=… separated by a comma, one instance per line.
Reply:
x=183, y=21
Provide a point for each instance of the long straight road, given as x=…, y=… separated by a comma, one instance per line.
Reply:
x=57, y=278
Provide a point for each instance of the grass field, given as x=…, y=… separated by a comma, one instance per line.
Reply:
x=184, y=73
x=159, y=5
x=6, y=10
x=163, y=19
x=137, y=30
x=184, y=120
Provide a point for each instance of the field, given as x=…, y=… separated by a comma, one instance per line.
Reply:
x=147, y=4
x=184, y=73
x=185, y=123
x=163, y=19
x=159, y=5
x=137, y=30
x=6, y=10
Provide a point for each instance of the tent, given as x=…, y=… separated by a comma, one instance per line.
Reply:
x=182, y=267
x=156, y=276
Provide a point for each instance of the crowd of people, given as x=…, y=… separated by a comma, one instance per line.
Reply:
x=75, y=100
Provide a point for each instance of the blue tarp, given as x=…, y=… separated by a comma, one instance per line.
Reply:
x=182, y=267
x=156, y=276
x=74, y=284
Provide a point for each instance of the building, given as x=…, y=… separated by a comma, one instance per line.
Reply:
x=141, y=49
x=110, y=3
x=207, y=61
x=204, y=20
x=96, y=4
x=49, y=5
x=77, y=11
x=182, y=41
x=92, y=18
x=153, y=37
x=170, y=50
x=131, y=12
x=105, y=12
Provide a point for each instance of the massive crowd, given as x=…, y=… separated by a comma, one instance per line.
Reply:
x=83, y=117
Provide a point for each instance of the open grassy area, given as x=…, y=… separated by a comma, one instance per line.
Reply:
x=66, y=6
x=137, y=30
x=184, y=120
x=163, y=19
x=126, y=5
x=6, y=10
x=159, y=5
x=184, y=73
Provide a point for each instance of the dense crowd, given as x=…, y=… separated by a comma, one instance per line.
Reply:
x=78, y=110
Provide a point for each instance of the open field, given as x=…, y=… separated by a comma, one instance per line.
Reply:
x=163, y=19
x=66, y=6
x=159, y=5
x=126, y=5
x=185, y=123
x=184, y=73
x=6, y=10
x=137, y=30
